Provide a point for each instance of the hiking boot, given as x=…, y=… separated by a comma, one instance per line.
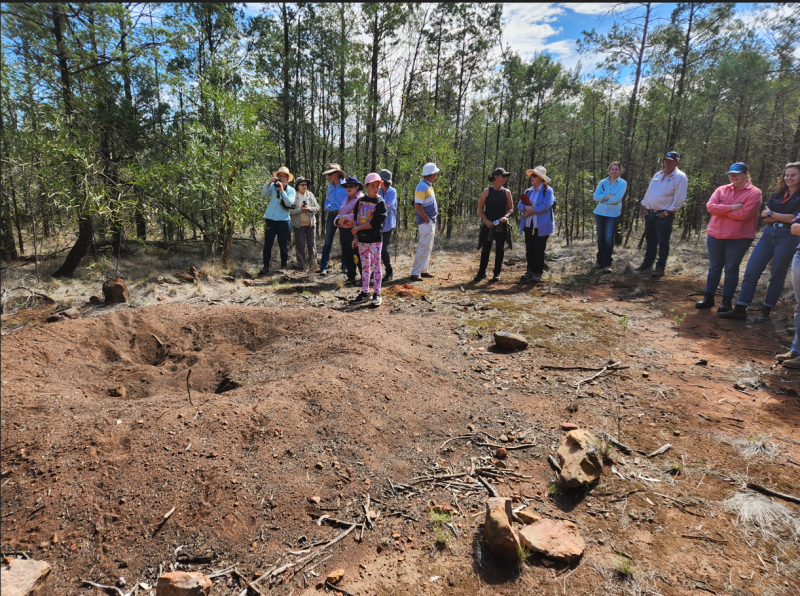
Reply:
x=528, y=275
x=389, y=276
x=428, y=275
x=414, y=278
x=739, y=313
x=376, y=301
x=706, y=302
x=657, y=273
x=362, y=297
x=643, y=268
x=763, y=316
x=536, y=277
x=494, y=279
x=792, y=363
x=481, y=275
x=608, y=270
x=351, y=281
x=726, y=305
x=263, y=273
x=785, y=356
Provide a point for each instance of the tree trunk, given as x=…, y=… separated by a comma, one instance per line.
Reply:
x=628, y=140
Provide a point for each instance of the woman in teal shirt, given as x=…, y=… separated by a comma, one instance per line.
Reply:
x=608, y=195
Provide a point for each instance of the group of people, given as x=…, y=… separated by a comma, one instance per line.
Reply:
x=364, y=221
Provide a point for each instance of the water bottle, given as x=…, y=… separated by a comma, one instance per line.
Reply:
x=496, y=222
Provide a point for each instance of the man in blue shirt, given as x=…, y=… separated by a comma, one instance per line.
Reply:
x=427, y=211
x=277, y=216
x=389, y=196
x=333, y=203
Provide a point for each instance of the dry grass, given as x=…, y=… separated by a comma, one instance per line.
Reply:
x=753, y=446
x=770, y=517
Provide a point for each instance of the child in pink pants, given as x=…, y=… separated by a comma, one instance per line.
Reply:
x=369, y=215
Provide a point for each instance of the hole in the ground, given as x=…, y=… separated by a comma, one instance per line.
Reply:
x=227, y=384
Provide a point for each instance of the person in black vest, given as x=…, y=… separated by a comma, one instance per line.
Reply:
x=495, y=207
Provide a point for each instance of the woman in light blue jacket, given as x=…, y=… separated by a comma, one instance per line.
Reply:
x=608, y=195
x=536, y=206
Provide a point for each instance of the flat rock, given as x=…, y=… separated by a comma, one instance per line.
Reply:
x=510, y=341
x=115, y=290
x=554, y=539
x=580, y=458
x=25, y=577
x=569, y=426
x=528, y=515
x=334, y=577
x=55, y=318
x=241, y=273
x=183, y=583
x=497, y=530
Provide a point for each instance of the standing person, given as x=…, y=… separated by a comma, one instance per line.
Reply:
x=734, y=217
x=776, y=244
x=345, y=222
x=791, y=359
x=304, y=222
x=537, y=221
x=389, y=195
x=665, y=195
x=333, y=203
x=427, y=211
x=276, y=217
x=608, y=195
x=495, y=206
x=369, y=214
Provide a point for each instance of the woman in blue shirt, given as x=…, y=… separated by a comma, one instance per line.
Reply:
x=389, y=195
x=608, y=195
x=536, y=206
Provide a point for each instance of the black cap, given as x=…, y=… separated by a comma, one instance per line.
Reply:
x=499, y=172
x=672, y=155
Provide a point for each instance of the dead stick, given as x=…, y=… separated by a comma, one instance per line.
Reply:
x=507, y=447
x=189, y=387
x=335, y=589
x=773, y=493
x=490, y=489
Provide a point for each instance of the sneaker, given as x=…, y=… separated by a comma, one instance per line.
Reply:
x=362, y=297
x=792, y=363
x=786, y=356
x=494, y=279
x=388, y=277
x=657, y=273
x=351, y=281
x=376, y=300
x=323, y=272
x=428, y=275
x=478, y=277
x=263, y=273
x=527, y=275
x=608, y=270
x=644, y=268
x=536, y=277
x=415, y=278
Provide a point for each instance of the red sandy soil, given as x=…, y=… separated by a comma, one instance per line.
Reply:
x=100, y=438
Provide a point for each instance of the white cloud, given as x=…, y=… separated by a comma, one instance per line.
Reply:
x=528, y=28
x=590, y=8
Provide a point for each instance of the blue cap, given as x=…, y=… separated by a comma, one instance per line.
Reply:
x=352, y=180
x=738, y=168
x=673, y=155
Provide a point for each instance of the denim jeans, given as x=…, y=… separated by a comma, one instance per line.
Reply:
x=272, y=229
x=330, y=235
x=796, y=286
x=657, y=231
x=727, y=254
x=777, y=245
x=606, y=226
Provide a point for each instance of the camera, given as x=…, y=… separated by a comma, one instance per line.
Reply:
x=305, y=203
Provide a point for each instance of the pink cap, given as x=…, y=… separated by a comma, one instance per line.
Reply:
x=372, y=178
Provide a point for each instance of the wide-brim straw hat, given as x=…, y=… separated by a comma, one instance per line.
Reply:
x=332, y=168
x=539, y=171
x=283, y=170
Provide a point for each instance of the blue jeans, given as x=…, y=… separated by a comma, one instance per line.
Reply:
x=727, y=254
x=330, y=234
x=280, y=229
x=606, y=226
x=776, y=245
x=657, y=231
x=796, y=286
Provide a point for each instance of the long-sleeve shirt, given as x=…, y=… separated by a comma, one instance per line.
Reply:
x=613, y=206
x=666, y=193
x=345, y=218
x=304, y=218
x=731, y=225
x=335, y=197
x=373, y=212
x=542, y=202
x=275, y=211
x=390, y=198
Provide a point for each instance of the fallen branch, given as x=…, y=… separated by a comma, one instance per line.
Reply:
x=660, y=450
x=706, y=538
x=507, y=447
x=335, y=589
x=489, y=488
x=189, y=387
x=772, y=493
